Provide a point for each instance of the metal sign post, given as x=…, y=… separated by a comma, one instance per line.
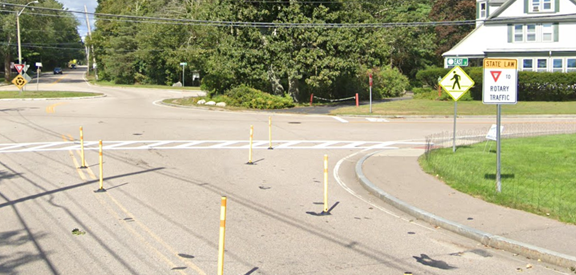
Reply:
x=38, y=71
x=183, y=64
x=456, y=83
x=370, y=93
x=500, y=86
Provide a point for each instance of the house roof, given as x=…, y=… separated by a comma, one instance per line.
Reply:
x=535, y=19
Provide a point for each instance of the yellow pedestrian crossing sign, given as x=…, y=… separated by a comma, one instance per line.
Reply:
x=19, y=81
x=456, y=83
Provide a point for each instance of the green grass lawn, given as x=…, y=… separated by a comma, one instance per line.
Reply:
x=537, y=173
x=44, y=94
x=112, y=84
x=446, y=108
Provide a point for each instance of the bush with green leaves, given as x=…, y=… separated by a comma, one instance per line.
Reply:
x=532, y=86
x=244, y=96
x=535, y=86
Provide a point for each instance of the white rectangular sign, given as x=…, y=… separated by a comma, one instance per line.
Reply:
x=491, y=135
x=500, y=82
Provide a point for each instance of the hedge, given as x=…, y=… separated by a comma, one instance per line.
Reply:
x=532, y=86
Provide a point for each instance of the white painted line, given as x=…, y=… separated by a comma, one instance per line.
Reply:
x=340, y=119
x=187, y=145
x=105, y=146
x=287, y=144
x=354, y=145
x=349, y=190
x=371, y=119
x=202, y=144
x=12, y=147
x=45, y=145
x=223, y=144
x=153, y=145
x=325, y=144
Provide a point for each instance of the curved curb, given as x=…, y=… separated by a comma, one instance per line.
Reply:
x=484, y=238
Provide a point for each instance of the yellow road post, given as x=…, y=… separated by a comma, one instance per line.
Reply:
x=101, y=189
x=222, y=236
x=82, y=148
x=325, y=183
x=251, y=141
x=270, y=133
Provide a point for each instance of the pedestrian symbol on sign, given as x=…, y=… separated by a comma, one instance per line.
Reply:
x=456, y=79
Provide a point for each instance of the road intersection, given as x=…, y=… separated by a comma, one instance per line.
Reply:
x=166, y=169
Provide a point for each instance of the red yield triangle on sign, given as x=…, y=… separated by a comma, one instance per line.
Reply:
x=495, y=75
x=19, y=67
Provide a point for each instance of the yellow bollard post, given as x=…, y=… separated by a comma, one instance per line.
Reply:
x=222, y=236
x=325, y=183
x=250, y=150
x=101, y=189
x=270, y=133
x=82, y=148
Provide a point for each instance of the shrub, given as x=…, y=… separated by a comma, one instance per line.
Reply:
x=247, y=97
x=533, y=86
x=422, y=90
x=387, y=82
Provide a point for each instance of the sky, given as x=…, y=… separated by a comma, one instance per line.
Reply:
x=78, y=5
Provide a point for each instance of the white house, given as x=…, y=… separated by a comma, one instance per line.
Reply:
x=540, y=34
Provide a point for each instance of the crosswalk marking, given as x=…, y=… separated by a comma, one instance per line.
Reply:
x=200, y=144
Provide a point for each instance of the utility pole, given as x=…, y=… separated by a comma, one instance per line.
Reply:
x=91, y=46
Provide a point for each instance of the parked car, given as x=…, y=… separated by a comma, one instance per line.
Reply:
x=57, y=70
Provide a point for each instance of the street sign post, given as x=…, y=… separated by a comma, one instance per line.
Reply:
x=456, y=83
x=370, y=83
x=183, y=64
x=500, y=86
x=457, y=61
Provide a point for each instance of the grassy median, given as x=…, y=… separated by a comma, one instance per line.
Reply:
x=537, y=173
x=446, y=108
x=44, y=94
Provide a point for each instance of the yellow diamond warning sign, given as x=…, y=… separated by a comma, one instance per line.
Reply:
x=19, y=81
x=456, y=83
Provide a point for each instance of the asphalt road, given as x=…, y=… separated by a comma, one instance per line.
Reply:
x=166, y=169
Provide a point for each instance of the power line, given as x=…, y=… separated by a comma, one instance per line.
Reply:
x=243, y=24
x=179, y=21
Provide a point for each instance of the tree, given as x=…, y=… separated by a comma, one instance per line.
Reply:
x=452, y=10
x=52, y=40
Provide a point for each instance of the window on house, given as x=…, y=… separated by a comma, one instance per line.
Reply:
x=535, y=5
x=531, y=33
x=571, y=65
x=482, y=10
x=542, y=5
x=557, y=65
x=547, y=32
x=546, y=5
x=542, y=65
x=527, y=65
x=518, y=33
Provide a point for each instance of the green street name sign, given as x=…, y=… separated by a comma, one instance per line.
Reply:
x=456, y=61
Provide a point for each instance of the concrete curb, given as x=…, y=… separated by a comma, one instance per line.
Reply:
x=484, y=238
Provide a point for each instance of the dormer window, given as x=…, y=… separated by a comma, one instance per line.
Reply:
x=541, y=5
